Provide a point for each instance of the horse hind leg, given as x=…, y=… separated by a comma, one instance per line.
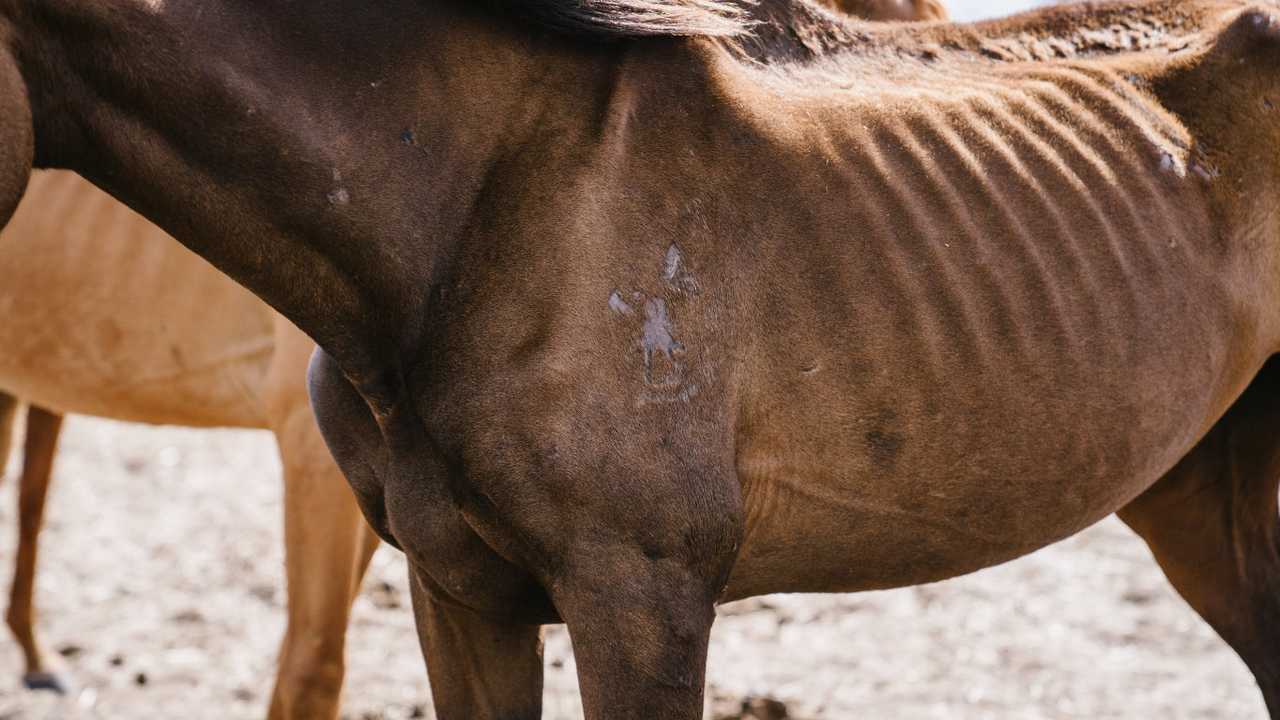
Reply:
x=328, y=545
x=43, y=429
x=1213, y=526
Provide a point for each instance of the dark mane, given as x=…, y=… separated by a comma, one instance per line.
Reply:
x=638, y=18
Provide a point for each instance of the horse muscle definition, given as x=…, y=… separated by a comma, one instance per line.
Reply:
x=659, y=304
x=183, y=345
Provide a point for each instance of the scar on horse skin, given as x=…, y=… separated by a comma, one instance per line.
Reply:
x=618, y=305
x=656, y=331
x=676, y=274
x=656, y=337
x=671, y=265
x=1169, y=163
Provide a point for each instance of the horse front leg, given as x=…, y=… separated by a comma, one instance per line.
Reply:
x=8, y=416
x=328, y=544
x=1212, y=524
x=640, y=628
x=633, y=543
x=479, y=668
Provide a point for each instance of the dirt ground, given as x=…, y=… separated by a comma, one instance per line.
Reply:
x=162, y=586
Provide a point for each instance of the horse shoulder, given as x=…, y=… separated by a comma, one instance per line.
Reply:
x=1227, y=93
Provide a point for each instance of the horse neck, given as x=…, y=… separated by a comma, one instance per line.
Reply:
x=324, y=159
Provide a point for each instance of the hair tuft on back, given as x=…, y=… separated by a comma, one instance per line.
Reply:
x=639, y=18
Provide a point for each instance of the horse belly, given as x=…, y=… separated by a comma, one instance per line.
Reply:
x=180, y=389
x=102, y=313
x=922, y=485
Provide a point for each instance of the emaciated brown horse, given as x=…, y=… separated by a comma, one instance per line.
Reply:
x=181, y=344
x=627, y=308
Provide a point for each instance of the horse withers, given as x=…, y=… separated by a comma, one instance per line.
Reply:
x=668, y=303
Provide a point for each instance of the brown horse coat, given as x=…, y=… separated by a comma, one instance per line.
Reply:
x=616, y=327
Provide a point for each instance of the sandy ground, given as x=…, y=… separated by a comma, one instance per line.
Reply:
x=162, y=585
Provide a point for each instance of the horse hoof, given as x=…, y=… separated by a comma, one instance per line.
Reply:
x=51, y=681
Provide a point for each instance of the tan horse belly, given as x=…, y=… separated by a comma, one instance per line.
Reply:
x=102, y=314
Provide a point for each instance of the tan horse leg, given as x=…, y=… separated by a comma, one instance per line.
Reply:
x=8, y=414
x=327, y=549
x=327, y=544
x=43, y=429
x=1212, y=524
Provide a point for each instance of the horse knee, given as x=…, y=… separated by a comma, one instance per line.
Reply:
x=309, y=677
x=19, y=622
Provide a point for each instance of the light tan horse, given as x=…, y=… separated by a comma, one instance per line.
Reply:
x=105, y=315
